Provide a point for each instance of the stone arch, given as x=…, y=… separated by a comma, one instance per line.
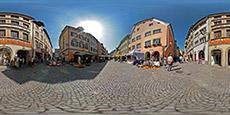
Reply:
x=201, y=55
x=24, y=54
x=156, y=55
x=6, y=54
x=147, y=55
x=228, y=56
x=216, y=56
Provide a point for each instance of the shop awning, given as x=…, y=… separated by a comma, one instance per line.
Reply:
x=136, y=53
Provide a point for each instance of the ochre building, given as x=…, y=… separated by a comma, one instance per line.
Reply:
x=153, y=37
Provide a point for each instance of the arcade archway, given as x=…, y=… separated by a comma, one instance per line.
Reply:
x=216, y=57
x=5, y=56
x=156, y=56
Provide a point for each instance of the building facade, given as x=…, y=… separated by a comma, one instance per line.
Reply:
x=197, y=41
x=215, y=44
x=75, y=43
x=123, y=48
x=20, y=36
x=153, y=37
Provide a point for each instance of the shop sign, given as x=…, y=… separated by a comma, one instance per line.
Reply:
x=219, y=41
x=15, y=42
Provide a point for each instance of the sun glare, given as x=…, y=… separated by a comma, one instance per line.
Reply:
x=93, y=27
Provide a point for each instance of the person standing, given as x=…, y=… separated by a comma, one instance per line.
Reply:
x=79, y=60
x=20, y=61
x=169, y=62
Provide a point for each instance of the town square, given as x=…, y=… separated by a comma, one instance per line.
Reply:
x=90, y=57
x=124, y=90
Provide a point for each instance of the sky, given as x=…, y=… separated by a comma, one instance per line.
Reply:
x=115, y=17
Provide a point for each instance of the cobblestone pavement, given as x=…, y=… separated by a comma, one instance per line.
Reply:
x=118, y=89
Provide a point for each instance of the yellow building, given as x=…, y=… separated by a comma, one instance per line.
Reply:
x=123, y=48
x=22, y=36
x=152, y=37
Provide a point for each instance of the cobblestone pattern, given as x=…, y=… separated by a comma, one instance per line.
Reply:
x=122, y=88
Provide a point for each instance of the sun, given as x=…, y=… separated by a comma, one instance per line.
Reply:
x=93, y=27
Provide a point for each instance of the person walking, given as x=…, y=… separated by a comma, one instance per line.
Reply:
x=169, y=62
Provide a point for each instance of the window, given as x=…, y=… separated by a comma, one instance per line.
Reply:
x=2, y=21
x=36, y=34
x=147, y=33
x=150, y=24
x=217, y=16
x=202, y=40
x=37, y=26
x=37, y=44
x=133, y=47
x=2, y=15
x=25, y=25
x=25, y=37
x=74, y=43
x=26, y=19
x=40, y=45
x=86, y=46
x=2, y=33
x=133, y=40
x=42, y=37
x=138, y=46
x=156, y=31
x=217, y=34
x=14, y=22
x=147, y=43
x=196, y=42
x=81, y=44
x=138, y=29
x=228, y=33
x=217, y=22
x=15, y=34
x=138, y=37
x=13, y=16
x=157, y=41
x=196, y=34
x=73, y=34
x=228, y=21
x=203, y=31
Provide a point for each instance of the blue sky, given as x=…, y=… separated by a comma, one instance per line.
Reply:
x=116, y=16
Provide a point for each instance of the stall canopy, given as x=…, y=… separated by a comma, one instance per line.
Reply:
x=136, y=53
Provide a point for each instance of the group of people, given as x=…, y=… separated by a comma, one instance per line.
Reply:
x=156, y=62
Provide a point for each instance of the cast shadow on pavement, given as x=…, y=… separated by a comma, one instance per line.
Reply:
x=53, y=75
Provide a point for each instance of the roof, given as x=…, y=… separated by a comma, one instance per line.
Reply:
x=221, y=13
x=154, y=19
x=16, y=13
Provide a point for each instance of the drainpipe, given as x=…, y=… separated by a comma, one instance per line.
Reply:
x=32, y=39
x=167, y=44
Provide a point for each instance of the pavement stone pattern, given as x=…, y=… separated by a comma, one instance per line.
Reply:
x=115, y=88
